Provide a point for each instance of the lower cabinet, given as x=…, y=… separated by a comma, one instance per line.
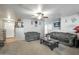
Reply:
x=2, y=37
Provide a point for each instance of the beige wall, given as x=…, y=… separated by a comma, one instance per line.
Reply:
x=1, y=24
x=67, y=25
x=28, y=27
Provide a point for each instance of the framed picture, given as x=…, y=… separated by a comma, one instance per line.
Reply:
x=19, y=25
x=73, y=20
x=57, y=24
x=36, y=23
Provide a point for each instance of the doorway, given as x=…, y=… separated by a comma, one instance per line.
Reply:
x=10, y=31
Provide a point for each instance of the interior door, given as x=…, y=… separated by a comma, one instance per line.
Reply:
x=9, y=26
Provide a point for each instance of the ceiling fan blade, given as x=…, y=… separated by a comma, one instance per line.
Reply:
x=45, y=17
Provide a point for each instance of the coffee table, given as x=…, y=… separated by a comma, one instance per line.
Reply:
x=50, y=43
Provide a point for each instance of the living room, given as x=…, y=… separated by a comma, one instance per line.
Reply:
x=39, y=29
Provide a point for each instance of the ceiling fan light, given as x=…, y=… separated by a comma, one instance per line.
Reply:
x=45, y=17
x=39, y=17
x=36, y=15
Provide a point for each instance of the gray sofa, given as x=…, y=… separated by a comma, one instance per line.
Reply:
x=30, y=36
x=64, y=38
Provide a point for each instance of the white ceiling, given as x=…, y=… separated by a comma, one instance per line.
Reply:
x=26, y=10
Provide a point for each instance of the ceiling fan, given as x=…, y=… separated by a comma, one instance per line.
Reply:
x=38, y=13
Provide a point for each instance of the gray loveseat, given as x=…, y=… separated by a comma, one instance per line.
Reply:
x=64, y=38
x=30, y=36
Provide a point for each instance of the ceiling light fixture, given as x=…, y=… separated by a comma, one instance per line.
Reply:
x=40, y=15
x=8, y=19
